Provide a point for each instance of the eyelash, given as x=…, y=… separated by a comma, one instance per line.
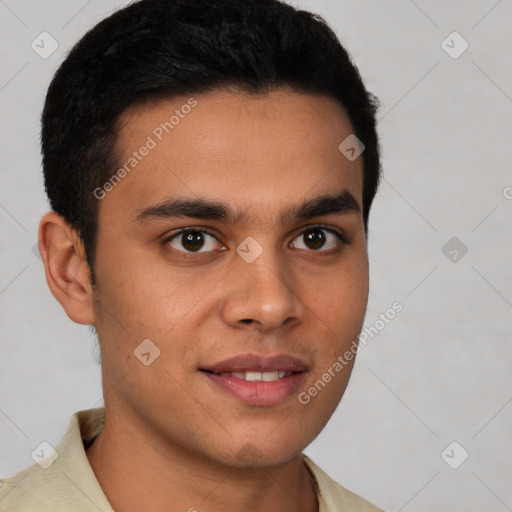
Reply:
x=342, y=238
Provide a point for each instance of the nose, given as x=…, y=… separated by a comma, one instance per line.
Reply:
x=261, y=296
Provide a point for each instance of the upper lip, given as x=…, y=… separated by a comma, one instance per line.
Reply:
x=258, y=363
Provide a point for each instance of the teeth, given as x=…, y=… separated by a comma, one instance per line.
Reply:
x=269, y=376
x=258, y=376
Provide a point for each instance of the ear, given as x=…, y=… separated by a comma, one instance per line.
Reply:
x=66, y=269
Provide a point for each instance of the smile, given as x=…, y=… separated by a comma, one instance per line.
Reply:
x=257, y=380
x=257, y=376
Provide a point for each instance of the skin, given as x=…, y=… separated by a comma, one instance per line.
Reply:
x=171, y=437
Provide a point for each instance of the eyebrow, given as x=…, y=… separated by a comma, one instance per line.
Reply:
x=341, y=203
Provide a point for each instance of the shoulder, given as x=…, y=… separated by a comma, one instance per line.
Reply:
x=335, y=498
x=27, y=490
x=62, y=480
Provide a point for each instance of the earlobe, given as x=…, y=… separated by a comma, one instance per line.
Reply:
x=66, y=269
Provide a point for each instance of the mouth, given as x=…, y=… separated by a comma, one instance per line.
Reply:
x=257, y=380
x=252, y=376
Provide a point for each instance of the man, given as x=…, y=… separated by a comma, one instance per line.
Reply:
x=210, y=167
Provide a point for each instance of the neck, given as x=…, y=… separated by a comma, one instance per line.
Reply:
x=138, y=471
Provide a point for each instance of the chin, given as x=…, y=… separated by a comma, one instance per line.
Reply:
x=264, y=452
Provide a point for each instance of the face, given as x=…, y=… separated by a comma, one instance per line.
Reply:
x=234, y=246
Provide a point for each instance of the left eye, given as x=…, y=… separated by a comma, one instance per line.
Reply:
x=316, y=239
x=193, y=241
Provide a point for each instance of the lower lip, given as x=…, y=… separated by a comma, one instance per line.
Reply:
x=258, y=393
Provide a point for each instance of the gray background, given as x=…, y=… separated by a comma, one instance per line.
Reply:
x=437, y=373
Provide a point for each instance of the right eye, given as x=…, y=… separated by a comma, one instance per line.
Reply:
x=193, y=241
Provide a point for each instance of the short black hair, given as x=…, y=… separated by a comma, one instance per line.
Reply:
x=159, y=49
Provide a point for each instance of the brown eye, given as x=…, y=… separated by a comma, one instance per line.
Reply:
x=193, y=241
x=316, y=239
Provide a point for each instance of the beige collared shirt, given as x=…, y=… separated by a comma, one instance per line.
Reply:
x=68, y=483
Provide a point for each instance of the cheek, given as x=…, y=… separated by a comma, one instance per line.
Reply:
x=338, y=310
x=142, y=298
x=338, y=304
x=339, y=298
x=143, y=295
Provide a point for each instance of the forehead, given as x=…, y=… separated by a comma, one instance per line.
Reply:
x=257, y=151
